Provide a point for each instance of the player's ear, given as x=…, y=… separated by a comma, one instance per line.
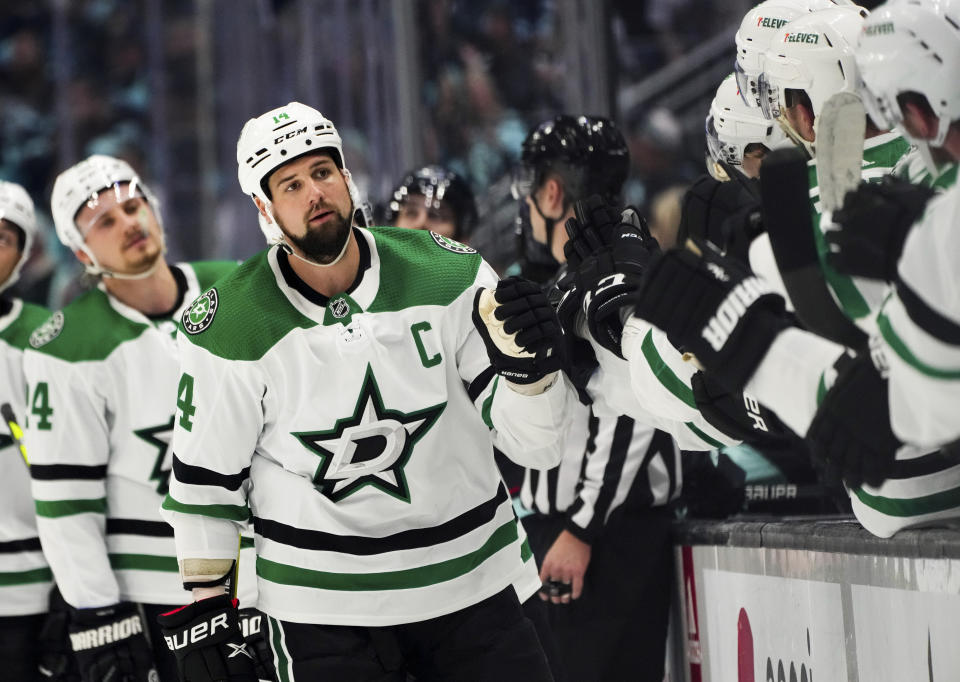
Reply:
x=83, y=257
x=262, y=208
x=553, y=194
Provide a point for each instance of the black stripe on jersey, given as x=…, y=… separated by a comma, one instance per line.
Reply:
x=619, y=447
x=925, y=317
x=933, y=463
x=592, y=425
x=365, y=546
x=58, y=472
x=194, y=475
x=294, y=281
x=25, y=545
x=156, y=529
x=481, y=382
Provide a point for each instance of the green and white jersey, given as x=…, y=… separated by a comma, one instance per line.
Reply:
x=102, y=380
x=912, y=169
x=357, y=434
x=920, y=326
x=858, y=297
x=25, y=578
x=653, y=387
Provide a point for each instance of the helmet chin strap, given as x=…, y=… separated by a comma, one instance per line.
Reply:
x=795, y=137
x=96, y=269
x=550, y=224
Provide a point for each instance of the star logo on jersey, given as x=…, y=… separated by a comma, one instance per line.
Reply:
x=199, y=316
x=159, y=437
x=371, y=447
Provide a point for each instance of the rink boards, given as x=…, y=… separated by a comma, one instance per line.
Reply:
x=805, y=601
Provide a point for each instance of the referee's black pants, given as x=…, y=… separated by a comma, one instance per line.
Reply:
x=491, y=641
x=617, y=629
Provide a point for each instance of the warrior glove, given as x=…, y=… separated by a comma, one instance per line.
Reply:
x=611, y=251
x=109, y=644
x=873, y=225
x=520, y=330
x=205, y=637
x=712, y=307
x=850, y=435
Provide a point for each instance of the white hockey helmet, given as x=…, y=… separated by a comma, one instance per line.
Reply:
x=757, y=30
x=815, y=54
x=81, y=185
x=278, y=137
x=16, y=207
x=911, y=46
x=731, y=125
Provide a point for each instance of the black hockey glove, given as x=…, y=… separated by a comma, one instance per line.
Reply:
x=851, y=434
x=205, y=637
x=110, y=645
x=613, y=251
x=738, y=415
x=56, y=662
x=253, y=627
x=581, y=361
x=874, y=222
x=713, y=307
x=520, y=330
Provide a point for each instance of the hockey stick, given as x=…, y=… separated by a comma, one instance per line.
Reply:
x=785, y=202
x=11, y=419
x=840, y=129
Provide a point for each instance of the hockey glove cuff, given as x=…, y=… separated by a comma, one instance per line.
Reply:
x=736, y=414
x=205, y=637
x=874, y=222
x=109, y=644
x=520, y=330
x=713, y=307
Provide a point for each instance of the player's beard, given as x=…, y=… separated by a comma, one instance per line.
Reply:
x=323, y=244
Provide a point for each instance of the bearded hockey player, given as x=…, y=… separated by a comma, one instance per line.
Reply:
x=344, y=389
x=25, y=578
x=102, y=378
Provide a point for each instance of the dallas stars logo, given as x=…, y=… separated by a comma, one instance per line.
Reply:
x=159, y=437
x=370, y=447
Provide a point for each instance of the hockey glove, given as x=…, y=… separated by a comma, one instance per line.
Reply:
x=874, y=222
x=737, y=414
x=56, y=661
x=713, y=307
x=110, y=645
x=613, y=252
x=205, y=637
x=851, y=434
x=520, y=330
x=253, y=628
x=581, y=361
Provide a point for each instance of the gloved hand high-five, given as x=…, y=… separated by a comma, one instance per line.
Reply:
x=873, y=225
x=520, y=330
x=713, y=307
x=610, y=251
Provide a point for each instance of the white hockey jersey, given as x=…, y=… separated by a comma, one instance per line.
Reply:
x=356, y=434
x=102, y=380
x=25, y=577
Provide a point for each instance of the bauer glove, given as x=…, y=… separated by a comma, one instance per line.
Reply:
x=205, y=637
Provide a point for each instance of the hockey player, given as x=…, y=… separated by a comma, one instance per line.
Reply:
x=102, y=389
x=25, y=577
x=339, y=392
x=434, y=198
x=810, y=59
x=737, y=135
x=596, y=523
x=757, y=29
x=920, y=320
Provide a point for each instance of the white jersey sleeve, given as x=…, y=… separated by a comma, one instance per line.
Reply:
x=920, y=325
x=68, y=434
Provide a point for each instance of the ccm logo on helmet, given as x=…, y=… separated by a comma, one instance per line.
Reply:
x=197, y=633
x=292, y=133
x=718, y=329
